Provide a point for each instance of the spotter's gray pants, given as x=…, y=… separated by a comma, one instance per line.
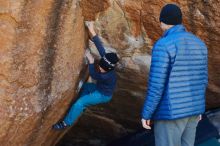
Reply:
x=180, y=132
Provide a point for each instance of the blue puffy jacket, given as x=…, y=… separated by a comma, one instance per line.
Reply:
x=178, y=76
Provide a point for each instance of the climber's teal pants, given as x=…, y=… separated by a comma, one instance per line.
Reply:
x=88, y=96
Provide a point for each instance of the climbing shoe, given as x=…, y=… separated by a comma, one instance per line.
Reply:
x=59, y=125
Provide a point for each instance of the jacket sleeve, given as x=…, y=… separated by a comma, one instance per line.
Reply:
x=206, y=69
x=95, y=75
x=159, y=71
x=99, y=45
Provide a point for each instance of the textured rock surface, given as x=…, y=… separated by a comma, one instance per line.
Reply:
x=130, y=27
x=42, y=53
x=42, y=46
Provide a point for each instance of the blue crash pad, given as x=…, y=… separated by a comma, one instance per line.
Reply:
x=210, y=142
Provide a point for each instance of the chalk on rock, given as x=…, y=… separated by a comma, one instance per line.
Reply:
x=80, y=85
x=88, y=23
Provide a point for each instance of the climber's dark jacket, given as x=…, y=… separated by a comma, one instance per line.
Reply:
x=106, y=82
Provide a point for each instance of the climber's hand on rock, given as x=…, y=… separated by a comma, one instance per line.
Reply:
x=145, y=123
x=89, y=57
x=90, y=26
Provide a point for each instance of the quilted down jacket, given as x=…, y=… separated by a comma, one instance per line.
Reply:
x=178, y=76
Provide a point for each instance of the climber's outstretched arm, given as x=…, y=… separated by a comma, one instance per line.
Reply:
x=95, y=38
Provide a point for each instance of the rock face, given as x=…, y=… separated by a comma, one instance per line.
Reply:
x=42, y=45
x=130, y=27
